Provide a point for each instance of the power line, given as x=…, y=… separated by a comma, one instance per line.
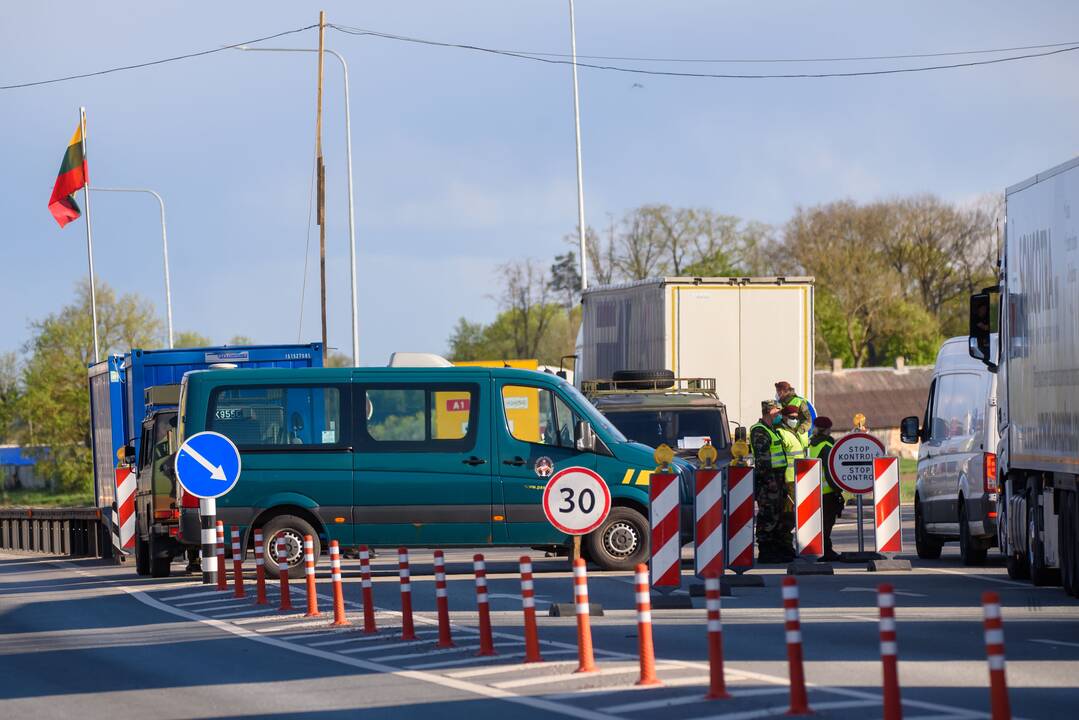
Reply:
x=154, y=62
x=674, y=73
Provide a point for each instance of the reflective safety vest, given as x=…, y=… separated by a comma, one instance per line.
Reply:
x=795, y=445
x=815, y=451
x=776, y=455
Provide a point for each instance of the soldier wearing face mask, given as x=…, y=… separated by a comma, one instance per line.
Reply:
x=795, y=442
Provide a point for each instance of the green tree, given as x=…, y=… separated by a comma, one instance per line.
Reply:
x=338, y=360
x=240, y=340
x=191, y=339
x=10, y=396
x=565, y=278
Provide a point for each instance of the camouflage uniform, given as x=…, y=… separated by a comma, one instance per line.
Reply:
x=769, y=470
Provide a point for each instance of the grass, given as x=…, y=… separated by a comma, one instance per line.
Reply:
x=908, y=473
x=45, y=498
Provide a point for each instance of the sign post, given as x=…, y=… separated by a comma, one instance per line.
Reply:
x=851, y=465
x=576, y=501
x=208, y=466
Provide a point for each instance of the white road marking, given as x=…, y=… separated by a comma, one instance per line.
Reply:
x=688, y=699
x=215, y=601
x=257, y=611
x=385, y=646
x=358, y=638
x=874, y=591
x=201, y=594
x=1055, y=642
x=987, y=578
x=612, y=689
x=438, y=651
x=479, y=672
x=481, y=658
x=548, y=679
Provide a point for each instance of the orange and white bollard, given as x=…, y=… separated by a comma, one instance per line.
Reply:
x=528, y=602
x=408, y=631
x=445, y=639
x=585, y=661
x=368, y=595
x=717, y=681
x=339, y=618
x=222, y=578
x=893, y=707
x=644, y=628
x=237, y=564
x=309, y=570
x=799, y=701
x=282, y=568
x=487, y=643
x=999, y=705
x=260, y=570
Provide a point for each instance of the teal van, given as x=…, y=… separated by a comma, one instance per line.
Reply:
x=416, y=457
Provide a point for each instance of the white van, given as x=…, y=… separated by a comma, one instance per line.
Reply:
x=956, y=492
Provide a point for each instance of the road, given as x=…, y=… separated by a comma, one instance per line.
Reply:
x=86, y=639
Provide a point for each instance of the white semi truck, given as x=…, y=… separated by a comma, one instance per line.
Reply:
x=1038, y=377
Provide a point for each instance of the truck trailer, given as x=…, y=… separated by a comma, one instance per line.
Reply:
x=1037, y=361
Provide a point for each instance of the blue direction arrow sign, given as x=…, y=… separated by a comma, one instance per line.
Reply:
x=208, y=465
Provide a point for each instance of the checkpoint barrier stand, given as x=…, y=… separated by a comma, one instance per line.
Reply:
x=887, y=519
x=576, y=501
x=709, y=528
x=740, y=528
x=809, y=520
x=850, y=462
x=124, y=520
x=666, y=546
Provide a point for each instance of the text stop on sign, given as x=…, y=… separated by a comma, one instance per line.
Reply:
x=851, y=461
x=576, y=500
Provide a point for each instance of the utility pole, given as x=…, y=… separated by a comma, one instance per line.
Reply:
x=321, y=171
x=581, y=229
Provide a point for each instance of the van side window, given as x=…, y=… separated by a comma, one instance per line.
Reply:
x=961, y=405
x=277, y=417
x=537, y=415
x=419, y=417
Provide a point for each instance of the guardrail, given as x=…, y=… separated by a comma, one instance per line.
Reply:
x=77, y=532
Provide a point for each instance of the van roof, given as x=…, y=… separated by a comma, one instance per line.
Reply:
x=954, y=353
x=383, y=374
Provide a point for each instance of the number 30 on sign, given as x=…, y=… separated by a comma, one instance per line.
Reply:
x=576, y=500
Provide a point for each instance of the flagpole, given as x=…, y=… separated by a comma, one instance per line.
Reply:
x=89, y=236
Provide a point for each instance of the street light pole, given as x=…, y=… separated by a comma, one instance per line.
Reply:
x=351, y=204
x=580, y=173
x=164, y=248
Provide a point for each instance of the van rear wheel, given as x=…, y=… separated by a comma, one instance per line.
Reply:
x=621, y=541
x=969, y=549
x=291, y=530
x=928, y=547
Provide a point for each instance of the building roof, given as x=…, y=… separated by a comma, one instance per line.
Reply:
x=15, y=455
x=884, y=395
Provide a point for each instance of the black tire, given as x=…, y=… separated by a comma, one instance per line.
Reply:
x=292, y=530
x=1015, y=562
x=159, y=566
x=1069, y=541
x=643, y=379
x=970, y=551
x=1040, y=575
x=621, y=541
x=142, y=556
x=927, y=546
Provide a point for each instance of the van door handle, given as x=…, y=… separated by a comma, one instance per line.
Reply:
x=516, y=462
x=474, y=461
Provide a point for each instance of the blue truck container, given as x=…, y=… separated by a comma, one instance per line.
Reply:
x=118, y=387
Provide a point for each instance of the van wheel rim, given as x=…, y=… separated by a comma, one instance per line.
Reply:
x=621, y=539
x=293, y=546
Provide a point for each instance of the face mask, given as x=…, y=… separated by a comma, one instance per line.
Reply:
x=777, y=420
x=792, y=422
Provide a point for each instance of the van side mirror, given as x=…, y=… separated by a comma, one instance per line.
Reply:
x=585, y=439
x=908, y=430
x=981, y=326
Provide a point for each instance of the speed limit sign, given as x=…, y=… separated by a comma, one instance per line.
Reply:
x=576, y=500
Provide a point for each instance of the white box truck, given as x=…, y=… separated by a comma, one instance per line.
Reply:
x=746, y=332
x=1038, y=380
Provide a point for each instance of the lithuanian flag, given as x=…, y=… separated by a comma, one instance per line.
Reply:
x=72, y=177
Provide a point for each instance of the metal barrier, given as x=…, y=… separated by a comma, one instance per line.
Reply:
x=75, y=532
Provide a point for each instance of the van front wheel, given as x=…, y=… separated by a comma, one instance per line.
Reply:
x=621, y=541
x=290, y=530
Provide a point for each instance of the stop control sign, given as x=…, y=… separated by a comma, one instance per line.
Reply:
x=576, y=500
x=851, y=462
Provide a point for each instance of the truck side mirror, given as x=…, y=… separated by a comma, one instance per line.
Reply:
x=585, y=439
x=981, y=326
x=908, y=430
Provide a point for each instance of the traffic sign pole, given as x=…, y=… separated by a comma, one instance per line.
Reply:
x=851, y=464
x=208, y=523
x=576, y=501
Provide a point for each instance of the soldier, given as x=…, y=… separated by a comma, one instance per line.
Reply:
x=795, y=444
x=786, y=396
x=769, y=468
x=820, y=445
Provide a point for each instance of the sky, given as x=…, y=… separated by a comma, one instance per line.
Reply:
x=464, y=161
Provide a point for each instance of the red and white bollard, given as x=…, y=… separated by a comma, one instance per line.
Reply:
x=237, y=564
x=368, y=594
x=487, y=643
x=339, y=617
x=585, y=661
x=893, y=707
x=708, y=532
x=309, y=571
x=666, y=530
x=645, y=649
x=999, y=705
x=740, y=519
x=260, y=570
x=408, y=631
x=282, y=570
x=445, y=638
x=717, y=681
x=887, y=528
x=528, y=603
x=799, y=701
x=222, y=578
x=808, y=500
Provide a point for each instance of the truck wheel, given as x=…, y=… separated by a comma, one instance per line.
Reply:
x=291, y=529
x=928, y=547
x=159, y=566
x=621, y=541
x=1015, y=562
x=969, y=550
x=643, y=379
x=1040, y=575
x=1069, y=541
x=142, y=556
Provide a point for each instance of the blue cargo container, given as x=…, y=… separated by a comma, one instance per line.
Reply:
x=118, y=387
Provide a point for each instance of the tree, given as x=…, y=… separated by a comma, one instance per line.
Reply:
x=526, y=302
x=10, y=395
x=56, y=398
x=240, y=340
x=565, y=279
x=338, y=360
x=191, y=339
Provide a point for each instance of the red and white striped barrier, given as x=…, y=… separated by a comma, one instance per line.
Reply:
x=368, y=593
x=487, y=643
x=260, y=570
x=809, y=536
x=893, y=707
x=282, y=570
x=645, y=649
x=219, y=550
x=339, y=617
x=799, y=701
x=666, y=528
x=740, y=519
x=717, y=683
x=309, y=571
x=408, y=631
x=709, y=529
x=445, y=639
x=237, y=565
x=125, y=508
x=528, y=604
x=888, y=528
x=1000, y=707
x=585, y=660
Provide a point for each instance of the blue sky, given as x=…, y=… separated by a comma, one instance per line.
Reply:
x=464, y=161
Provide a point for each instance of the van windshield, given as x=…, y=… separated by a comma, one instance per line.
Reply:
x=680, y=429
x=594, y=416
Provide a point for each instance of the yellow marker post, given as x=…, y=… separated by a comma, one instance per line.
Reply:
x=664, y=456
x=707, y=455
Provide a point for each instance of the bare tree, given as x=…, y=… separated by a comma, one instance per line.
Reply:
x=527, y=301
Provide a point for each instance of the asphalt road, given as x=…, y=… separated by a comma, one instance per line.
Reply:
x=87, y=639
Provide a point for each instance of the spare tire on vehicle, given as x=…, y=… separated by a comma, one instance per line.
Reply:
x=643, y=379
